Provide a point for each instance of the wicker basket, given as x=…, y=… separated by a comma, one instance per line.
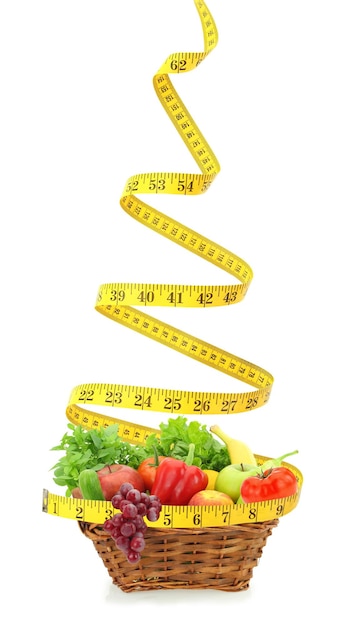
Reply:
x=220, y=558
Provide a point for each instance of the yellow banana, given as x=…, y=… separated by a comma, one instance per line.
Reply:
x=238, y=451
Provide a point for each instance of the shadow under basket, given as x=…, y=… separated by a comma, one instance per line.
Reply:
x=220, y=558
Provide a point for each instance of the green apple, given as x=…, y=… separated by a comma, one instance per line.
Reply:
x=231, y=477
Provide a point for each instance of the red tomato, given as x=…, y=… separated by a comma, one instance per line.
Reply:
x=147, y=470
x=278, y=482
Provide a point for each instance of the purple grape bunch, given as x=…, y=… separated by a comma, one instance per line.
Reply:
x=128, y=527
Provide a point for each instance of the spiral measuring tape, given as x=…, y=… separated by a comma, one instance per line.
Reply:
x=117, y=301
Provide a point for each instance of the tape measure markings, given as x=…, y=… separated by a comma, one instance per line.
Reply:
x=190, y=239
x=168, y=183
x=159, y=400
x=127, y=431
x=96, y=512
x=150, y=295
x=186, y=126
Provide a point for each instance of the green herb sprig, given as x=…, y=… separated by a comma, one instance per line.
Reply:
x=177, y=435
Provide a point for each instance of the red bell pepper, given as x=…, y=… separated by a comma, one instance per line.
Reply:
x=177, y=481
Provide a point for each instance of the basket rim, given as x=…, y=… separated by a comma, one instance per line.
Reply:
x=268, y=524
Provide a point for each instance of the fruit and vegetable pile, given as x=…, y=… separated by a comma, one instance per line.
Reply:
x=186, y=464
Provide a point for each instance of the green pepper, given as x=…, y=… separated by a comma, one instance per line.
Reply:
x=276, y=462
x=177, y=481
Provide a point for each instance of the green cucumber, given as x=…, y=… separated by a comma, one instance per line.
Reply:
x=90, y=485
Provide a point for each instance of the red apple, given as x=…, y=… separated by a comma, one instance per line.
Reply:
x=111, y=477
x=210, y=497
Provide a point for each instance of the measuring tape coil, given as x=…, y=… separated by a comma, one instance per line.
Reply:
x=117, y=301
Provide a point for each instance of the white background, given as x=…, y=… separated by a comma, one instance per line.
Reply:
x=79, y=116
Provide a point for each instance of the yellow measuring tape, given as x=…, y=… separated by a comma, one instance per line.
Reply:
x=96, y=512
x=117, y=301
